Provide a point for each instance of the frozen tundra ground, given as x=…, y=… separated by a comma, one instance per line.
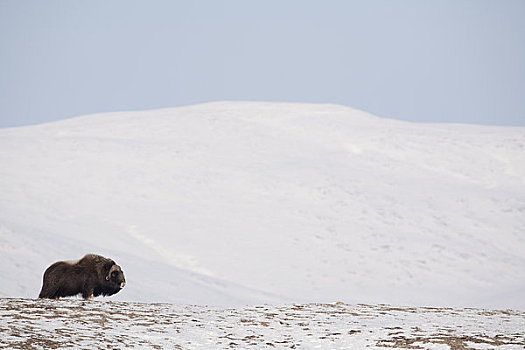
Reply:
x=74, y=323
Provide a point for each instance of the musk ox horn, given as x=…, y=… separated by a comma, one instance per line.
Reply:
x=113, y=268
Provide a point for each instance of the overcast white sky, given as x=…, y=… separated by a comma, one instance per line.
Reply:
x=429, y=61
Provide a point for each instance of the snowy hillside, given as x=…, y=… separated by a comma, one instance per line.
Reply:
x=48, y=324
x=232, y=203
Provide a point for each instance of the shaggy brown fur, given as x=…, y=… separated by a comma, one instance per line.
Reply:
x=91, y=276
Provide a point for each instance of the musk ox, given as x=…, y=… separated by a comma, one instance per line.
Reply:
x=91, y=276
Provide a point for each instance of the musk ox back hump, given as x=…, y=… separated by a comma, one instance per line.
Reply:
x=91, y=276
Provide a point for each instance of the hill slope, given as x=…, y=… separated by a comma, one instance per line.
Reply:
x=75, y=324
x=263, y=202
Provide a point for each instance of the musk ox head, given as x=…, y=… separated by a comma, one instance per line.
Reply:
x=115, y=277
x=91, y=276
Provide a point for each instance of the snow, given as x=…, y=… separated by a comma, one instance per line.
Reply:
x=234, y=203
x=117, y=325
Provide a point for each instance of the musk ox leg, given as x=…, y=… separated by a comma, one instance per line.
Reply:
x=87, y=293
x=44, y=293
x=88, y=296
x=48, y=292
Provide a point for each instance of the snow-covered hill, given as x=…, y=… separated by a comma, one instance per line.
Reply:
x=49, y=324
x=228, y=203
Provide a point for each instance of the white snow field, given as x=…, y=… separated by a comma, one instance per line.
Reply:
x=236, y=203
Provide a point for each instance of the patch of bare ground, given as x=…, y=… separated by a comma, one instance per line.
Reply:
x=454, y=342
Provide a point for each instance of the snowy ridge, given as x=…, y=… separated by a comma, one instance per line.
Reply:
x=228, y=203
